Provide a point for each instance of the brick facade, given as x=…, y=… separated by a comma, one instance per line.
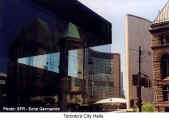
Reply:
x=159, y=49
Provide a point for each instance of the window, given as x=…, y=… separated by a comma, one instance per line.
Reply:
x=164, y=39
x=165, y=66
x=108, y=69
x=165, y=92
x=167, y=39
x=77, y=82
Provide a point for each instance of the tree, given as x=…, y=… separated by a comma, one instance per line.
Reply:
x=147, y=107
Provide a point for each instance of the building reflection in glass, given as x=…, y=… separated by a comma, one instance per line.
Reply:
x=45, y=54
x=104, y=76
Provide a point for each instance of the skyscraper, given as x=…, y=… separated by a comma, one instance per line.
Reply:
x=104, y=76
x=137, y=34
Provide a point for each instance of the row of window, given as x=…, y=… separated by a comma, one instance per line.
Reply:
x=101, y=66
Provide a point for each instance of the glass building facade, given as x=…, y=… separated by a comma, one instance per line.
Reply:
x=44, y=51
x=104, y=76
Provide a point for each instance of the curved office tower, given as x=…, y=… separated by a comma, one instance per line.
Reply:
x=137, y=34
x=40, y=44
x=104, y=76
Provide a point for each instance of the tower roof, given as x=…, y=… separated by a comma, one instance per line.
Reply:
x=72, y=32
x=163, y=15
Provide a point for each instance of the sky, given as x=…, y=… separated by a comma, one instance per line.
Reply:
x=115, y=12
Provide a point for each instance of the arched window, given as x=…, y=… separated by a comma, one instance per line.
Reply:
x=165, y=65
x=164, y=39
x=166, y=93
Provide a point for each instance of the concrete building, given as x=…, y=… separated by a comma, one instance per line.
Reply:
x=160, y=47
x=104, y=76
x=137, y=34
